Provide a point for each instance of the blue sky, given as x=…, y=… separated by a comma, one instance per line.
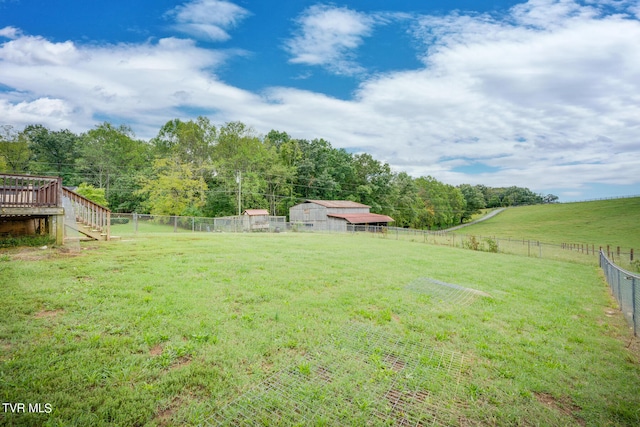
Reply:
x=543, y=94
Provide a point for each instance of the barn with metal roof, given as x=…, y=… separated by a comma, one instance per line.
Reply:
x=334, y=215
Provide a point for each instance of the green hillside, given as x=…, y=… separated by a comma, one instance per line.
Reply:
x=605, y=222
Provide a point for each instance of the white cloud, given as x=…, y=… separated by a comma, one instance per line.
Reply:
x=55, y=112
x=550, y=102
x=10, y=32
x=136, y=82
x=550, y=94
x=327, y=37
x=207, y=19
x=37, y=51
x=550, y=13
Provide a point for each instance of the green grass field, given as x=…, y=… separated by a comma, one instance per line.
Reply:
x=306, y=329
x=606, y=222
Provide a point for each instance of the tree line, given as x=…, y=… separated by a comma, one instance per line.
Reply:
x=195, y=168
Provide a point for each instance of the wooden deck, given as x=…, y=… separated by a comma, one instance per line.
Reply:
x=36, y=203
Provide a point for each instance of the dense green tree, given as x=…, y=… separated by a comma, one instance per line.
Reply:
x=457, y=205
x=314, y=179
x=373, y=180
x=404, y=200
x=96, y=195
x=190, y=142
x=511, y=196
x=14, y=151
x=192, y=167
x=474, y=200
x=108, y=153
x=279, y=181
x=173, y=189
x=53, y=153
x=220, y=201
x=443, y=204
x=124, y=192
x=241, y=161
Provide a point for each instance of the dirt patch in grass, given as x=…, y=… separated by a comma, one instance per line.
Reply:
x=48, y=313
x=563, y=405
x=394, y=362
x=5, y=348
x=31, y=254
x=634, y=348
x=266, y=366
x=156, y=350
x=181, y=362
x=324, y=374
x=164, y=414
x=41, y=253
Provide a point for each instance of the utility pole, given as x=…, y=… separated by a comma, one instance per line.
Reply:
x=239, y=181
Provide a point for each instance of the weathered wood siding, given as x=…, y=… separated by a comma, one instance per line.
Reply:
x=336, y=224
x=315, y=216
x=255, y=222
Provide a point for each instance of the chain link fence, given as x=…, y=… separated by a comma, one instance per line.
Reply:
x=126, y=223
x=575, y=252
x=625, y=288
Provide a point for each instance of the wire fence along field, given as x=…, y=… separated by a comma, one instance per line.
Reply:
x=625, y=287
x=570, y=251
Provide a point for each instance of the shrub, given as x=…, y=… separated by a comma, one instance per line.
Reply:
x=492, y=245
x=119, y=221
x=473, y=243
x=10, y=242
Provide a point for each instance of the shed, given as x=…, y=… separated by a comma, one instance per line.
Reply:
x=255, y=220
x=334, y=215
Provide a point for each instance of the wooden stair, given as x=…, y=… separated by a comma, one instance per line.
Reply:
x=92, y=233
x=94, y=220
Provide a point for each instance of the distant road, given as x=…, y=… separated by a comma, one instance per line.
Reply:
x=489, y=215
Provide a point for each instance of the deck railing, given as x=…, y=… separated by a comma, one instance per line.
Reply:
x=93, y=215
x=27, y=191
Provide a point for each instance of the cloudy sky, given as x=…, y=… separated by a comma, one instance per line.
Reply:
x=542, y=94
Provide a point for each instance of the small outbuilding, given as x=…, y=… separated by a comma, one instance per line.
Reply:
x=255, y=220
x=335, y=215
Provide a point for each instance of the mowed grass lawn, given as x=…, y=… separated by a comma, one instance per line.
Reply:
x=304, y=329
x=601, y=223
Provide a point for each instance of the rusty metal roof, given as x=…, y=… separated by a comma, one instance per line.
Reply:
x=256, y=212
x=363, y=218
x=338, y=203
